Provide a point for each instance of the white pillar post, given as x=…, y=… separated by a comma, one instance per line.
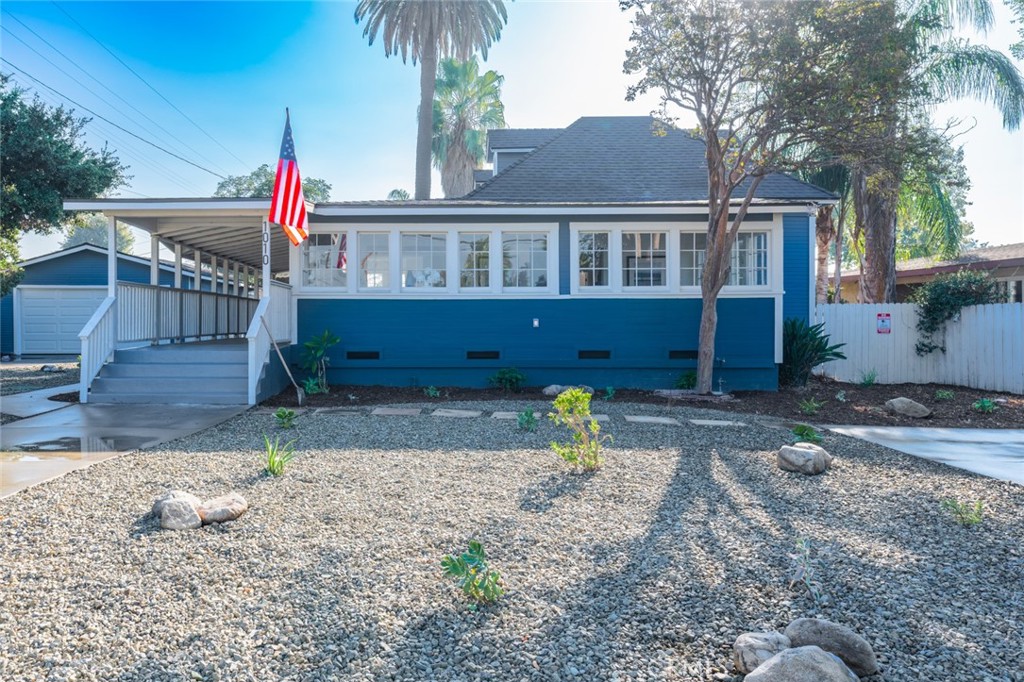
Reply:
x=197, y=270
x=177, y=266
x=265, y=281
x=224, y=281
x=234, y=279
x=154, y=260
x=112, y=256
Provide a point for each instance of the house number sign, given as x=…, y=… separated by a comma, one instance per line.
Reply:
x=884, y=323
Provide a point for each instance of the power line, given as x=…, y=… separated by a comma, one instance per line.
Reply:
x=104, y=85
x=104, y=118
x=98, y=42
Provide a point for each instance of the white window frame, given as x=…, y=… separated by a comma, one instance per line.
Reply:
x=447, y=262
x=674, y=287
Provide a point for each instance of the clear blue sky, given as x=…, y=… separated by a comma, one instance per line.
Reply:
x=233, y=67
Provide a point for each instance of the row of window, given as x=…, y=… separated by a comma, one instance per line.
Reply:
x=481, y=261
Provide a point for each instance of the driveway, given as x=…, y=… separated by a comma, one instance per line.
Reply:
x=997, y=453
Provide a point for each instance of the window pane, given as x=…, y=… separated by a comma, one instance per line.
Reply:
x=423, y=260
x=325, y=260
x=593, y=255
x=524, y=259
x=643, y=259
x=373, y=259
x=749, y=260
x=475, y=257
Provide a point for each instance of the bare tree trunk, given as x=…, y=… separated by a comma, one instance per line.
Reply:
x=425, y=123
x=824, y=232
x=837, y=284
x=875, y=208
x=716, y=274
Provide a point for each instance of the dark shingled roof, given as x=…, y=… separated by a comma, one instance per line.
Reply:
x=618, y=159
x=482, y=175
x=519, y=138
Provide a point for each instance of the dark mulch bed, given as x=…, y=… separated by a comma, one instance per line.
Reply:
x=862, y=405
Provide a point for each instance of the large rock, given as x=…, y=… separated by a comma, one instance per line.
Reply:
x=158, y=505
x=907, y=408
x=840, y=640
x=804, y=458
x=751, y=649
x=179, y=515
x=224, y=508
x=555, y=389
x=803, y=664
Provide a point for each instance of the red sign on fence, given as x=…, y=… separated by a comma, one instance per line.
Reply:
x=884, y=323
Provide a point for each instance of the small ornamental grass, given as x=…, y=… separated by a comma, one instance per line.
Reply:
x=806, y=434
x=572, y=409
x=964, y=513
x=868, y=378
x=810, y=405
x=527, y=420
x=984, y=405
x=277, y=455
x=478, y=581
x=944, y=394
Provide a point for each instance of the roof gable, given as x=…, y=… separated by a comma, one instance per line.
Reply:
x=620, y=159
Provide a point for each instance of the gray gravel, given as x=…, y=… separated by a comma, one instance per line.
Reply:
x=647, y=570
x=25, y=376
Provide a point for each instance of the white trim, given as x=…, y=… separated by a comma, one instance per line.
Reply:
x=16, y=323
x=549, y=210
x=812, y=275
x=778, y=329
x=166, y=266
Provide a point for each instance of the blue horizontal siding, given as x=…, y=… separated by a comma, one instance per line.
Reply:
x=424, y=342
x=796, y=266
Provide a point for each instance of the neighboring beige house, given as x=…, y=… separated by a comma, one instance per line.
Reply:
x=1005, y=263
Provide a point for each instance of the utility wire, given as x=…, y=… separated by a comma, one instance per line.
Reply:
x=105, y=86
x=104, y=118
x=100, y=43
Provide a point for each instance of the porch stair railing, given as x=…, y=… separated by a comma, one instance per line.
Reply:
x=273, y=313
x=99, y=340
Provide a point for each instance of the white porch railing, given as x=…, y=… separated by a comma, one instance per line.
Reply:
x=274, y=312
x=99, y=340
x=155, y=314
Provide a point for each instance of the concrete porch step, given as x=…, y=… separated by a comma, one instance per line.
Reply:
x=200, y=370
x=187, y=353
x=169, y=398
x=198, y=385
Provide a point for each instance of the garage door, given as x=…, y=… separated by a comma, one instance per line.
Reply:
x=52, y=317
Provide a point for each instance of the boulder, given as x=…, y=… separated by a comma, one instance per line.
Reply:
x=840, y=640
x=803, y=664
x=50, y=369
x=179, y=515
x=804, y=458
x=158, y=505
x=224, y=508
x=907, y=408
x=751, y=649
x=552, y=390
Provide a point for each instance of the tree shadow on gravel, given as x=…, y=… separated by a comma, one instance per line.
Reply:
x=540, y=497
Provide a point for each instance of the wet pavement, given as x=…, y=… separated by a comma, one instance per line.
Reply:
x=997, y=453
x=76, y=436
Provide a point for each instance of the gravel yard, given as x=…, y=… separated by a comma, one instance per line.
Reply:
x=21, y=377
x=646, y=570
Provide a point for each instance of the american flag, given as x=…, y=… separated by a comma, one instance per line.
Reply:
x=288, y=205
x=342, y=248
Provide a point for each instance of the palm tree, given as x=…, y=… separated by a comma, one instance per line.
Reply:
x=427, y=31
x=466, y=106
x=948, y=68
x=398, y=194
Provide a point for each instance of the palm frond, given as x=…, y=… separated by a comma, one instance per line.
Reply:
x=961, y=70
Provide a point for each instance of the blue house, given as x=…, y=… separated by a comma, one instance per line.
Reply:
x=579, y=260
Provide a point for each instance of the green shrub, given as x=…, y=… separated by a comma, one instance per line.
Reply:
x=941, y=299
x=687, y=380
x=278, y=455
x=285, y=417
x=841, y=396
x=609, y=393
x=527, y=420
x=984, y=405
x=868, y=378
x=572, y=409
x=315, y=360
x=806, y=433
x=508, y=379
x=432, y=392
x=311, y=386
x=963, y=513
x=810, y=405
x=478, y=581
x=944, y=394
x=804, y=348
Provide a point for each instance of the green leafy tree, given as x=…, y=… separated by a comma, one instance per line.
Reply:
x=944, y=68
x=1017, y=7
x=428, y=32
x=91, y=228
x=763, y=79
x=43, y=161
x=466, y=105
x=260, y=183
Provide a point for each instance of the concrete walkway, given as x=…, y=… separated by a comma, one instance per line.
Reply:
x=997, y=453
x=62, y=437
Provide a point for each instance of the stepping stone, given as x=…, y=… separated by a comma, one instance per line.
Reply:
x=644, y=419
x=459, y=414
x=601, y=417
x=511, y=415
x=338, y=410
x=396, y=411
x=715, y=422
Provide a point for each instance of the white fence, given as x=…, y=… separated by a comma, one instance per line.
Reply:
x=984, y=346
